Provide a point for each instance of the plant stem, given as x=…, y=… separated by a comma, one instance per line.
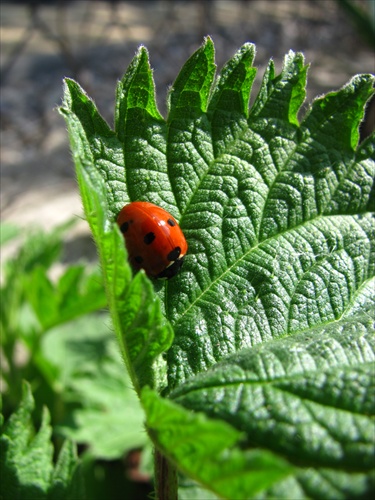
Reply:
x=166, y=484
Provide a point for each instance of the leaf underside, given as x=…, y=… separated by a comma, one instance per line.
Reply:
x=272, y=311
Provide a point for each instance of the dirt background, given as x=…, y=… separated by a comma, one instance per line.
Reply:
x=94, y=41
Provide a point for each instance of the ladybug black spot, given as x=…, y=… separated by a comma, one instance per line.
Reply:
x=171, y=222
x=124, y=227
x=149, y=238
x=171, y=270
x=138, y=259
x=174, y=254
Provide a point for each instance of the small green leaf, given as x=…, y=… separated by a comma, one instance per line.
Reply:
x=67, y=479
x=148, y=334
x=39, y=249
x=89, y=374
x=210, y=450
x=78, y=291
x=110, y=422
x=27, y=469
x=26, y=460
x=39, y=291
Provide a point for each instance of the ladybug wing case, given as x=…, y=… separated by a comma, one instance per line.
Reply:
x=154, y=240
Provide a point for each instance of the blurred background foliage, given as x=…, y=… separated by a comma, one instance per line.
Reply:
x=56, y=334
x=55, y=331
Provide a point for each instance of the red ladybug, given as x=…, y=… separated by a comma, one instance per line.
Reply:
x=153, y=239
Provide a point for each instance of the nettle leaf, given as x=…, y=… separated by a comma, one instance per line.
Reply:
x=78, y=291
x=39, y=251
x=107, y=417
x=27, y=469
x=271, y=311
x=142, y=330
x=206, y=449
x=310, y=397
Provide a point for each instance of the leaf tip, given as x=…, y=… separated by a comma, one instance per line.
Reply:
x=142, y=53
x=208, y=44
x=27, y=396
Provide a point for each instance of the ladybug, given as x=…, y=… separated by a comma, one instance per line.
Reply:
x=153, y=239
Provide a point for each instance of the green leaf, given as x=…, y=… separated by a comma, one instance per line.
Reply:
x=210, y=450
x=139, y=124
x=309, y=395
x=67, y=479
x=189, y=490
x=27, y=469
x=106, y=415
x=193, y=84
x=78, y=291
x=279, y=272
x=142, y=330
x=189, y=151
x=40, y=250
x=148, y=335
x=78, y=348
x=267, y=255
x=96, y=150
x=281, y=96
